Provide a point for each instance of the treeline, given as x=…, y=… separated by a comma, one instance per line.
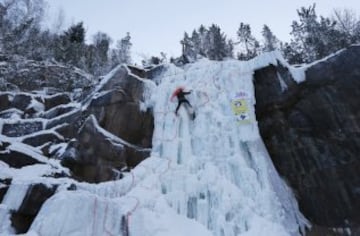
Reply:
x=21, y=33
x=312, y=38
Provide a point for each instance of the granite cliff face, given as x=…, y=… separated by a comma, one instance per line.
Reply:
x=312, y=132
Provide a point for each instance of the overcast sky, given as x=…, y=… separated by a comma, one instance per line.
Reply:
x=158, y=25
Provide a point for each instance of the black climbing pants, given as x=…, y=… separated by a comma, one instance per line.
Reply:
x=179, y=103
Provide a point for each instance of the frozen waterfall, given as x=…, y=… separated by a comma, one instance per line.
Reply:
x=208, y=176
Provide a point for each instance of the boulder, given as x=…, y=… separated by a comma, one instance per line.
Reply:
x=312, y=132
x=16, y=159
x=21, y=128
x=68, y=131
x=56, y=100
x=4, y=101
x=36, y=195
x=74, y=117
x=21, y=101
x=119, y=99
x=113, y=110
x=41, y=138
x=98, y=155
x=57, y=111
x=11, y=114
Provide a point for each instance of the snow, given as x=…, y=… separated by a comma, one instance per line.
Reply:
x=104, y=80
x=323, y=59
x=14, y=196
x=48, y=167
x=28, y=150
x=149, y=89
x=58, y=118
x=274, y=58
x=27, y=120
x=282, y=83
x=15, y=113
x=210, y=176
x=47, y=131
x=5, y=225
x=58, y=149
x=31, y=174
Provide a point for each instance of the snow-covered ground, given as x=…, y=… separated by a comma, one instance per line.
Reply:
x=208, y=176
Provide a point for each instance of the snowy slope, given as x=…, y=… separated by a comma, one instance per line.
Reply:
x=210, y=176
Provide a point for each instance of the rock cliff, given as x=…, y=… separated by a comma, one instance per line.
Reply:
x=312, y=132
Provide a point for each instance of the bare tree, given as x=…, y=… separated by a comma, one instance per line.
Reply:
x=348, y=23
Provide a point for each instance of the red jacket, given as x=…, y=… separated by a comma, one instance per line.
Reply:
x=176, y=92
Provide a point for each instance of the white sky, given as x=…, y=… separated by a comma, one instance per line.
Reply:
x=158, y=25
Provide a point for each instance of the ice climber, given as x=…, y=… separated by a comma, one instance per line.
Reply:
x=180, y=94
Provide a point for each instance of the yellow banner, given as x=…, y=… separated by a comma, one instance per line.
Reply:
x=240, y=110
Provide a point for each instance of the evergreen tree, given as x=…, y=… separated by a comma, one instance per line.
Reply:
x=249, y=46
x=271, y=43
x=230, y=49
x=122, y=53
x=292, y=53
x=218, y=47
x=196, y=42
x=21, y=33
x=102, y=44
x=210, y=43
x=306, y=33
x=97, y=59
x=313, y=38
x=204, y=41
x=71, y=46
x=76, y=33
x=188, y=50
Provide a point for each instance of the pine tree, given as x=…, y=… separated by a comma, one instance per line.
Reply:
x=76, y=33
x=188, y=50
x=271, y=43
x=292, y=53
x=249, y=46
x=102, y=43
x=313, y=38
x=123, y=50
x=97, y=59
x=218, y=46
x=196, y=42
x=204, y=40
x=71, y=46
x=230, y=49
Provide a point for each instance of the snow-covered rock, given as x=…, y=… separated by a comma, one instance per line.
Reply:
x=39, y=128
